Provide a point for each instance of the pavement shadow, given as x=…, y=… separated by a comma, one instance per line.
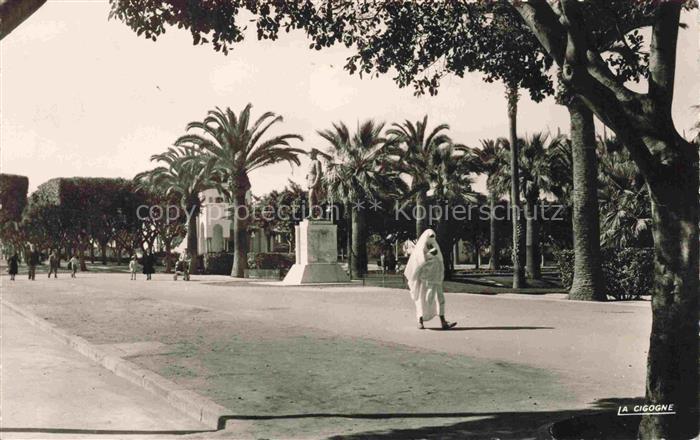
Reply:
x=500, y=425
x=486, y=425
x=491, y=328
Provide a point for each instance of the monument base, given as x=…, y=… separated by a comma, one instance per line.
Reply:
x=316, y=254
x=316, y=273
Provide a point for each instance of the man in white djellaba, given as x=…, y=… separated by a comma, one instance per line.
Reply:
x=425, y=273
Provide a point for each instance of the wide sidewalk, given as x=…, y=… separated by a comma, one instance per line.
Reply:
x=48, y=390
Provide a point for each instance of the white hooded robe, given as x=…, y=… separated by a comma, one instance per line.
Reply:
x=425, y=274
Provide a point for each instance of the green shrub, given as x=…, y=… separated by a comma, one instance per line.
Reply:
x=565, y=260
x=218, y=264
x=271, y=260
x=628, y=273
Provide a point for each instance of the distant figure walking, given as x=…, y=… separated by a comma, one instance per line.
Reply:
x=13, y=266
x=32, y=261
x=74, y=263
x=425, y=273
x=133, y=265
x=53, y=264
x=148, y=265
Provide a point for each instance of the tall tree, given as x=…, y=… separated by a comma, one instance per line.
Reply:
x=450, y=182
x=517, y=219
x=535, y=158
x=416, y=148
x=185, y=174
x=578, y=40
x=491, y=162
x=356, y=176
x=236, y=145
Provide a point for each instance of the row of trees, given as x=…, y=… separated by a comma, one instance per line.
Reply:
x=76, y=214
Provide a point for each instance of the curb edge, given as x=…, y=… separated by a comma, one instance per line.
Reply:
x=194, y=405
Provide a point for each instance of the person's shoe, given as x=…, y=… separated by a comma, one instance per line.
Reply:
x=448, y=325
x=420, y=324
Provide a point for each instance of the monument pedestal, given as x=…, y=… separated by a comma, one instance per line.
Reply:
x=316, y=254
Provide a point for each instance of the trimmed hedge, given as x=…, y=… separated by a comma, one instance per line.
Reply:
x=271, y=260
x=628, y=273
x=218, y=264
x=13, y=197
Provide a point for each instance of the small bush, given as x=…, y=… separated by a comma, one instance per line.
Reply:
x=627, y=273
x=271, y=260
x=565, y=260
x=218, y=264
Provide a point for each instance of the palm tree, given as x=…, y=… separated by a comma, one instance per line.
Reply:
x=237, y=148
x=492, y=163
x=587, y=284
x=451, y=185
x=185, y=174
x=535, y=166
x=414, y=147
x=513, y=97
x=625, y=205
x=357, y=174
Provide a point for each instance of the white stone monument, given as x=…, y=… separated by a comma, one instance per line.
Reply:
x=316, y=254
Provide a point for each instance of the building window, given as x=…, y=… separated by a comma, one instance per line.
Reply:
x=219, y=200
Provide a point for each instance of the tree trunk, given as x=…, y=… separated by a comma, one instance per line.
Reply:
x=444, y=239
x=348, y=238
x=192, y=251
x=587, y=284
x=532, y=241
x=518, y=237
x=477, y=252
x=92, y=253
x=359, y=243
x=421, y=214
x=493, y=238
x=81, y=257
x=240, y=235
x=672, y=364
x=168, y=256
x=103, y=252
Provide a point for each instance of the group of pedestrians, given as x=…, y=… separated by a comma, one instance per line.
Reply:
x=33, y=258
x=182, y=267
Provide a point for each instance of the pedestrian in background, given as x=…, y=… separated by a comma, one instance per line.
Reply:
x=32, y=261
x=53, y=264
x=133, y=265
x=148, y=264
x=13, y=266
x=74, y=263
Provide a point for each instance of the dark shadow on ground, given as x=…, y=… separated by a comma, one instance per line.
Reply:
x=500, y=425
x=487, y=425
x=492, y=328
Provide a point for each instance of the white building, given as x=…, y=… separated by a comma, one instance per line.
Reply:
x=213, y=224
x=215, y=227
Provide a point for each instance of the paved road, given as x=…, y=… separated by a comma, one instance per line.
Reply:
x=599, y=349
x=48, y=390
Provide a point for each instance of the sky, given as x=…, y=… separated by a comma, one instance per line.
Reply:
x=84, y=96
